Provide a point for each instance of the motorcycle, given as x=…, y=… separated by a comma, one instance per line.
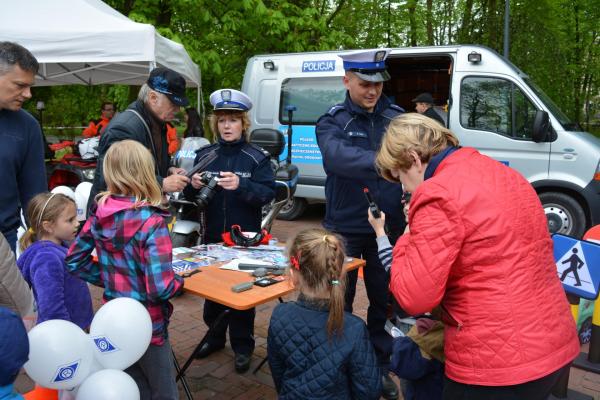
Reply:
x=73, y=169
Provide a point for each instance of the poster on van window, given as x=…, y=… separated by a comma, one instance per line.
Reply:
x=305, y=149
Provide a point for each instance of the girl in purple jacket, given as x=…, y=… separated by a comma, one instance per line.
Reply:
x=58, y=294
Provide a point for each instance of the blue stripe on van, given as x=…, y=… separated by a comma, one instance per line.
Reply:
x=305, y=149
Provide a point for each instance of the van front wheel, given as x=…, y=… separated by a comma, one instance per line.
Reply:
x=564, y=214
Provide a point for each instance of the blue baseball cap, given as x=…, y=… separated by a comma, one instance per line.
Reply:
x=368, y=65
x=14, y=346
x=230, y=99
x=169, y=83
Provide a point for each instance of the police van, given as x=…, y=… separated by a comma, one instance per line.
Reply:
x=487, y=102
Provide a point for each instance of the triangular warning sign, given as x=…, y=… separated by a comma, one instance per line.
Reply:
x=572, y=266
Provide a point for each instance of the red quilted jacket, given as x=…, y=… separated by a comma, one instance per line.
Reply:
x=479, y=245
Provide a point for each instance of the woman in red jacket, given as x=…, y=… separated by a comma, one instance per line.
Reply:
x=478, y=245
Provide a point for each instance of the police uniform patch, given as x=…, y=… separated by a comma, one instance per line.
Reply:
x=335, y=109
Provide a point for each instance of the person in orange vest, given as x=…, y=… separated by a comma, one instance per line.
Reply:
x=172, y=138
x=97, y=126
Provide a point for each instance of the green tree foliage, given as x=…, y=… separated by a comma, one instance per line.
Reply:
x=556, y=42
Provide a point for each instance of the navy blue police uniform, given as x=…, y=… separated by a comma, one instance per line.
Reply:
x=349, y=138
x=243, y=207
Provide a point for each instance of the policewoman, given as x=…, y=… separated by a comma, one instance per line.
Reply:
x=245, y=184
x=349, y=135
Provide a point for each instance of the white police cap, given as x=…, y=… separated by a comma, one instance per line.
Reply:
x=368, y=65
x=230, y=99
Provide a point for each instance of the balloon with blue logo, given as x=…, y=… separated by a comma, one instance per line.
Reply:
x=121, y=332
x=60, y=355
x=108, y=384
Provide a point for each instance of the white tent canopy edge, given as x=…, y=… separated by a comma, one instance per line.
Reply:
x=87, y=42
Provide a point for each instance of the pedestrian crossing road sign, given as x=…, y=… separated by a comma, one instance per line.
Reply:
x=577, y=265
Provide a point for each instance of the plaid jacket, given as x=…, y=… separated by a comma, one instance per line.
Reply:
x=134, y=258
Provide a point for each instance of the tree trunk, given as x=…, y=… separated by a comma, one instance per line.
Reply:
x=429, y=17
x=465, y=28
x=577, y=64
x=412, y=5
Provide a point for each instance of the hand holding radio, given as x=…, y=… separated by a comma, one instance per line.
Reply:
x=376, y=216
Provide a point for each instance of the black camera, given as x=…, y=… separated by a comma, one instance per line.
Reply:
x=207, y=192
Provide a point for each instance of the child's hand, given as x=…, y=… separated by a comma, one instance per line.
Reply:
x=378, y=224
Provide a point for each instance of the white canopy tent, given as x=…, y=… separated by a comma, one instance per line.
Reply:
x=87, y=42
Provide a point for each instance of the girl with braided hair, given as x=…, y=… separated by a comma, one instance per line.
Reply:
x=315, y=349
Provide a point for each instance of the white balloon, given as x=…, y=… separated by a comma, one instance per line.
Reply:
x=67, y=191
x=96, y=366
x=108, y=384
x=60, y=355
x=121, y=331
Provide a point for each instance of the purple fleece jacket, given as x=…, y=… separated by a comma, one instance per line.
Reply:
x=58, y=294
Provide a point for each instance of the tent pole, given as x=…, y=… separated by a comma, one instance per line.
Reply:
x=198, y=107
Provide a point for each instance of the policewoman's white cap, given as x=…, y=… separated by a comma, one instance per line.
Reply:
x=230, y=99
x=368, y=65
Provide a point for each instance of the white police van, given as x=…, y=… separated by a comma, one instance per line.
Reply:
x=491, y=105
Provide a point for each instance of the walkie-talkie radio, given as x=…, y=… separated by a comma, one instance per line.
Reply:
x=372, y=206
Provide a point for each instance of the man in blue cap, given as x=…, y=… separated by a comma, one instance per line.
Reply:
x=144, y=121
x=349, y=135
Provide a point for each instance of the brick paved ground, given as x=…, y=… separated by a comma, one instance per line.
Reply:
x=215, y=378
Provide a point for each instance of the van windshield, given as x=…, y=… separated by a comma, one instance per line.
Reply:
x=566, y=123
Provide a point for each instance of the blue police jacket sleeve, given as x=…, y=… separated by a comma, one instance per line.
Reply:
x=364, y=373
x=339, y=155
x=259, y=189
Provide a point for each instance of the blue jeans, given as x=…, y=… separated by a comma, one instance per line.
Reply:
x=154, y=373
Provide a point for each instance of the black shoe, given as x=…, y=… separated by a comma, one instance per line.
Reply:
x=207, y=349
x=389, y=389
x=242, y=362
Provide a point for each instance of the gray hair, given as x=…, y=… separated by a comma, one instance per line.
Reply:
x=144, y=93
x=12, y=54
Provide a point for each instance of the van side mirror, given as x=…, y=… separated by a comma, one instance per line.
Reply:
x=541, y=127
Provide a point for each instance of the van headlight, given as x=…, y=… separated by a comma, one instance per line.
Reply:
x=89, y=173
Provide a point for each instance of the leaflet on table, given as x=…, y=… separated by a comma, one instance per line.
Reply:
x=190, y=263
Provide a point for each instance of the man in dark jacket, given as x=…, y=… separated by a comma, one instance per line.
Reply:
x=424, y=105
x=349, y=134
x=145, y=121
x=22, y=171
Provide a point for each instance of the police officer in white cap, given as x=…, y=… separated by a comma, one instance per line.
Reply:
x=349, y=135
x=246, y=183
